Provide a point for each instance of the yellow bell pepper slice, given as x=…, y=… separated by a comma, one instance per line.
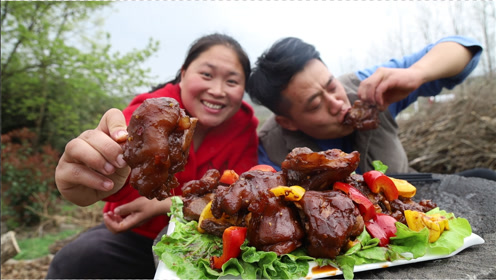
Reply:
x=205, y=214
x=405, y=189
x=436, y=223
x=293, y=193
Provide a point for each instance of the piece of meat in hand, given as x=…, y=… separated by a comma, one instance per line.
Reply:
x=362, y=116
x=318, y=170
x=331, y=219
x=160, y=135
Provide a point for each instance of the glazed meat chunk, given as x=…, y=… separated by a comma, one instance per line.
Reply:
x=246, y=193
x=318, y=170
x=198, y=193
x=207, y=184
x=272, y=225
x=275, y=227
x=331, y=219
x=160, y=135
x=362, y=116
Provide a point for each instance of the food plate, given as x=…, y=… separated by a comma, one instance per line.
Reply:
x=313, y=273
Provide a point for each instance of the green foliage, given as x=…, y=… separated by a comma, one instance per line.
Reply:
x=58, y=79
x=28, y=186
x=32, y=248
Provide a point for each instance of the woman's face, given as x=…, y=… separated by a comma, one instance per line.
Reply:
x=318, y=103
x=213, y=85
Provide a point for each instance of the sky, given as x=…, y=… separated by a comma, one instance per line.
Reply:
x=342, y=31
x=349, y=34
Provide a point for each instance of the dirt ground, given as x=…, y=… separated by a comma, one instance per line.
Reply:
x=26, y=269
x=38, y=268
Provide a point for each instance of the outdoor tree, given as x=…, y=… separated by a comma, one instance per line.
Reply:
x=486, y=19
x=58, y=72
x=58, y=77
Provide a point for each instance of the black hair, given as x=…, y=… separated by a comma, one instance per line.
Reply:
x=203, y=44
x=274, y=70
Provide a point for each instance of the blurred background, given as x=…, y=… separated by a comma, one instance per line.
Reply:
x=63, y=64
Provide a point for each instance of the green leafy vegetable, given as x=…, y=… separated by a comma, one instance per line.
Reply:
x=379, y=166
x=451, y=239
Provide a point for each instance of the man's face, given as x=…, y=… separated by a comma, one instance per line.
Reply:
x=319, y=103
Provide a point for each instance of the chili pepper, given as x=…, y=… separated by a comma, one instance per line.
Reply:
x=229, y=177
x=365, y=206
x=263, y=167
x=232, y=239
x=382, y=227
x=293, y=193
x=378, y=182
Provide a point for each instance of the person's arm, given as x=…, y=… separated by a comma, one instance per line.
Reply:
x=444, y=60
x=92, y=166
x=390, y=85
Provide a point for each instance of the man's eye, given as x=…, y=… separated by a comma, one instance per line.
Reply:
x=314, y=108
x=331, y=87
x=315, y=105
x=208, y=75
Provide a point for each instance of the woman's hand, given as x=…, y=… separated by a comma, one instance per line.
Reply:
x=135, y=213
x=92, y=166
x=389, y=85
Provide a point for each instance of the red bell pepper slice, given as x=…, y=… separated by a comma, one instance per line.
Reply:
x=263, y=167
x=229, y=177
x=377, y=182
x=232, y=239
x=365, y=206
x=383, y=227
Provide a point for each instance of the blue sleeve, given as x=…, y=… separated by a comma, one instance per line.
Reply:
x=263, y=158
x=430, y=88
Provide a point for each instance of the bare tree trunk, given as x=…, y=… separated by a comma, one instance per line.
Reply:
x=9, y=246
x=485, y=22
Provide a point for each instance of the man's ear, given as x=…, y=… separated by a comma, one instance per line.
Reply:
x=286, y=123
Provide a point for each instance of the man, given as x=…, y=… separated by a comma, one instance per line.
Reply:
x=310, y=104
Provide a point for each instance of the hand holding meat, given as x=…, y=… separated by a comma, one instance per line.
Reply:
x=160, y=135
x=92, y=166
x=389, y=85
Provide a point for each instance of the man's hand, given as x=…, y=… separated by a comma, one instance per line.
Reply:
x=135, y=213
x=389, y=85
x=92, y=166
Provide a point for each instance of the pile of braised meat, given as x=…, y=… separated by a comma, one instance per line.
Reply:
x=323, y=221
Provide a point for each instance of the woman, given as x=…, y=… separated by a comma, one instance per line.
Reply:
x=209, y=86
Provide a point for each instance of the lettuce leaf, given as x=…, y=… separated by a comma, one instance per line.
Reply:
x=451, y=239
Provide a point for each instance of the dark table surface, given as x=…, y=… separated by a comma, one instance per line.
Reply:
x=470, y=198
